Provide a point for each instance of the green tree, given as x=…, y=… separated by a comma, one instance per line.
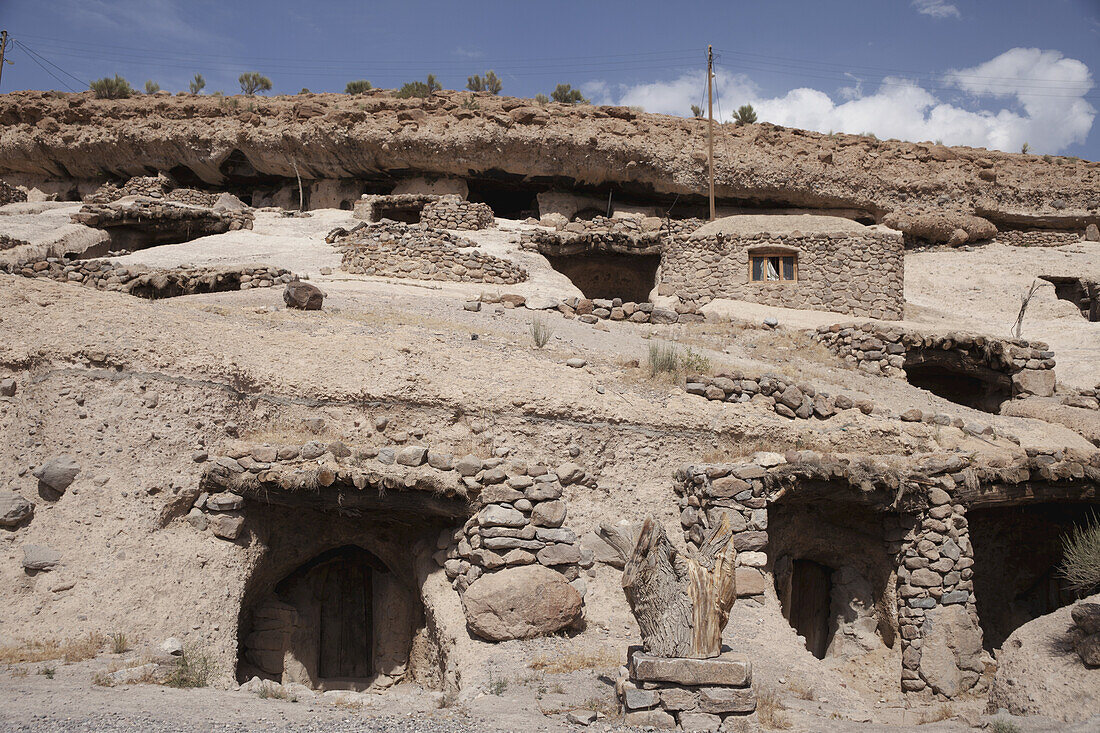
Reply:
x=108, y=88
x=696, y=111
x=566, y=94
x=542, y=99
x=151, y=87
x=491, y=83
x=745, y=115
x=197, y=84
x=419, y=88
x=254, y=81
x=357, y=87
x=1025, y=148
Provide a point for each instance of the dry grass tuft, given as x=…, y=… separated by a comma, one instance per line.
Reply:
x=72, y=650
x=563, y=663
x=943, y=712
x=769, y=710
x=286, y=431
x=802, y=690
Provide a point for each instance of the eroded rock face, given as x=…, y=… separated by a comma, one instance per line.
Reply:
x=1039, y=672
x=521, y=603
x=951, y=655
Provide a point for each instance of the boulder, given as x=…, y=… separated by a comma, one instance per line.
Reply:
x=521, y=603
x=39, y=557
x=941, y=226
x=229, y=202
x=303, y=296
x=1040, y=673
x=14, y=509
x=1039, y=382
x=1092, y=233
x=951, y=654
x=58, y=472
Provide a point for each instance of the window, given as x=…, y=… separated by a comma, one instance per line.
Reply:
x=771, y=266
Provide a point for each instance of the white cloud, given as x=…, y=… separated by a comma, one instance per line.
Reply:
x=936, y=8
x=1044, y=89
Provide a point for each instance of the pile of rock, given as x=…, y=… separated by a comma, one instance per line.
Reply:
x=11, y=194
x=778, y=393
x=688, y=694
x=7, y=242
x=594, y=310
x=371, y=207
x=519, y=520
x=393, y=249
x=151, y=186
x=451, y=212
x=151, y=214
x=878, y=349
x=1037, y=238
x=1086, y=399
x=192, y=196
x=155, y=282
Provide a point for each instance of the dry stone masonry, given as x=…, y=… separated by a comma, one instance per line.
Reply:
x=155, y=282
x=1037, y=238
x=594, y=310
x=451, y=212
x=394, y=249
x=152, y=215
x=11, y=194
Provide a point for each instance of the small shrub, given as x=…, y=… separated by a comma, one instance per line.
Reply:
x=490, y=83
x=305, y=90
x=663, y=358
x=497, y=685
x=151, y=87
x=197, y=84
x=119, y=644
x=193, y=669
x=542, y=99
x=470, y=103
x=419, y=88
x=254, y=81
x=102, y=679
x=1025, y=148
x=693, y=361
x=1004, y=726
x=769, y=710
x=566, y=94
x=357, y=87
x=696, y=111
x=745, y=115
x=83, y=648
x=48, y=672
x=541, y=331
x=1047, y=158
x=874, y=137
x=108, y=88
x=1081, y=556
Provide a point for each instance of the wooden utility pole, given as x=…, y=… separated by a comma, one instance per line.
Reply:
x=3, y=47
x=710, y=127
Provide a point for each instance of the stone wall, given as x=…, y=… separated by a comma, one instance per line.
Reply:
x=519, y=520
x=155, y=282
x=451, y=212
x=11, y=194
x=881, y=350
x=152, y=215
x=192, y=196
x=860, y=275
x=151, y=186
x=415, y=251
x=592, y=311
x=1036, y=238
x=7, y=242
x=923, y=502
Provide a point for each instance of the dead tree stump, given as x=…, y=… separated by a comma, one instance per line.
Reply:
x=681, y=603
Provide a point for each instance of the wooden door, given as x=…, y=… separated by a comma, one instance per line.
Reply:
x=347, y=632
x=810, y=600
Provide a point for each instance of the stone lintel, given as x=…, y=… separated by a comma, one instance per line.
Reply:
x=727, y=669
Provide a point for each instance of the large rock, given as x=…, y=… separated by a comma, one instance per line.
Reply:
x=521, y=603
x=14, y=509
x=303, y=296
x=1039, y=382
x=940, y=226
x=39, y=557
x=58, y=472
x=1039, y=672
x=950, y=658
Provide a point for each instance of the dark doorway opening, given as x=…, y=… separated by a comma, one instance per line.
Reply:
x=955, y=376
x=1017, y=554
x=508, y=200
x=407, y=213
x=1084, y=294
x=811, y=597
x=610, y=276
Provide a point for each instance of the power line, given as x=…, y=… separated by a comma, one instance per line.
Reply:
x=30, y=50
x=58, y=79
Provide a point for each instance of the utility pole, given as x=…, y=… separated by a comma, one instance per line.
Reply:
x=710, y=127
x=3, y=47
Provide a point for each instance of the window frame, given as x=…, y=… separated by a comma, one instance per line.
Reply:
x=763, y=253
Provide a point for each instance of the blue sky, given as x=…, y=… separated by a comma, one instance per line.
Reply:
x=992, y=73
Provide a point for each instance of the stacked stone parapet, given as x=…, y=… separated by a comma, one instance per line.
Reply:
x=151, y=214
x=152, y=186
x=11, y=194
x=882, y=350
x=398, y=250
x=1036, y=238
x=451, y=212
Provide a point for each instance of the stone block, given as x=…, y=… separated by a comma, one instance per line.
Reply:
x=699, y=721
x=635, y=698
x=725, y=669
x=650, y=719
x=750, y=581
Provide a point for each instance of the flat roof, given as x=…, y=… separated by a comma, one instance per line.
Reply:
x=749, y=224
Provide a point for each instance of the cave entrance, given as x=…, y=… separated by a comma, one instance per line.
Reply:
x=1084, y=294
x=508, y=200
x=1017, y=554
x=409, y=213
x=832, y=573
x=811, y=591
x=609, y=275
x=956, y=376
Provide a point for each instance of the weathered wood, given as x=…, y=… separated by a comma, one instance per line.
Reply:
x=681, y=603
